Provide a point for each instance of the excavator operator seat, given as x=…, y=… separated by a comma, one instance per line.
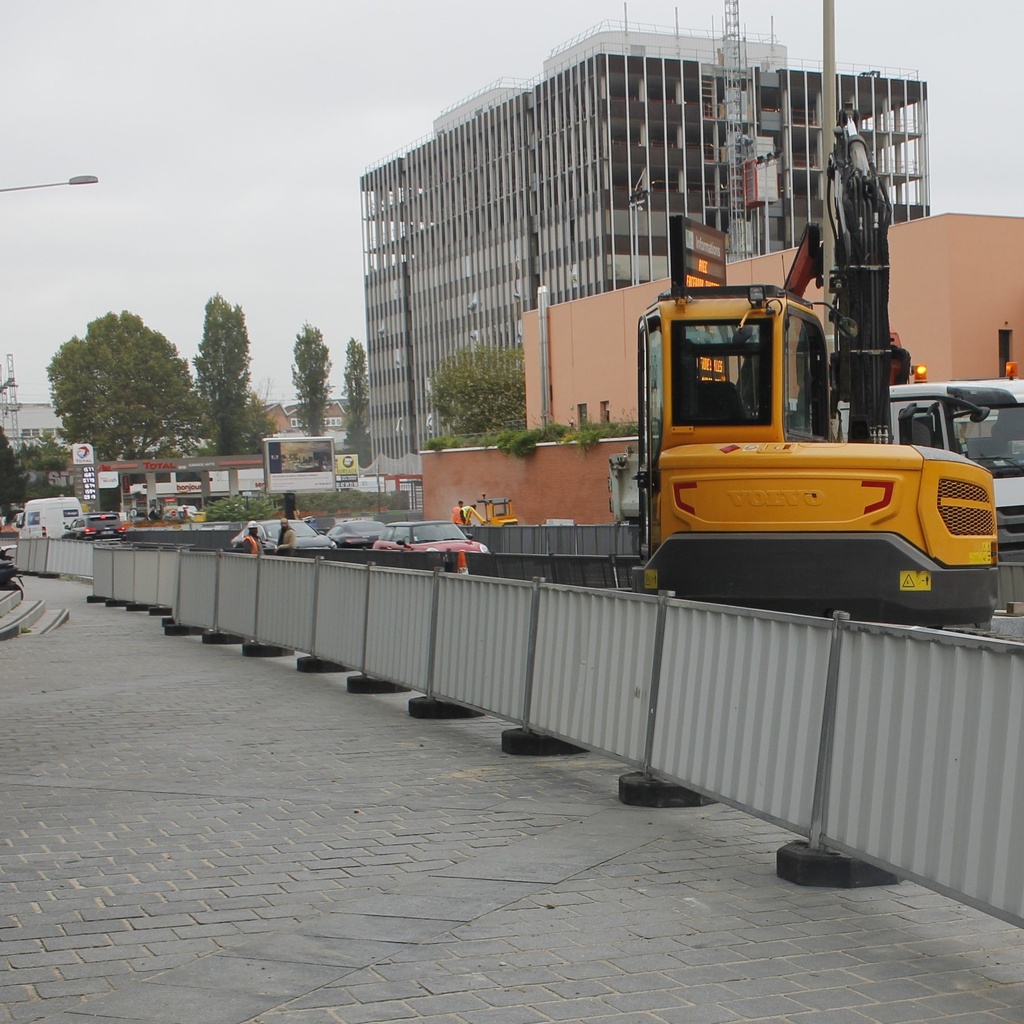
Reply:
x=718, y=401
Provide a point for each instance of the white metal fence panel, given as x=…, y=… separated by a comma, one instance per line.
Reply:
x=147, y=576
x=398, y=626
x=928, y=761
x=740, y=707
x=195, y=603
x=167, y=578
x=482, y=643
x=69, y=558
x=124, y=573
x=103, y=572
x=31, y=554
x=285, y=613
x=593, y=669
x=340, y=613
x=237, y=585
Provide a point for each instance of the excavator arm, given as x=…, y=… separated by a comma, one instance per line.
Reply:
x=860, y=215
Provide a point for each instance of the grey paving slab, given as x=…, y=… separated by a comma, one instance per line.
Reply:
x=189, y=835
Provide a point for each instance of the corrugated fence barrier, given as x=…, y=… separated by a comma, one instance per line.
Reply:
x=899, y=746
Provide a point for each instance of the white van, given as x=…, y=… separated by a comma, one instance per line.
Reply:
x=49, y=517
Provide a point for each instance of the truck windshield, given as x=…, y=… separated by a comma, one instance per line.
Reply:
x=999, y=436
x=721, y=372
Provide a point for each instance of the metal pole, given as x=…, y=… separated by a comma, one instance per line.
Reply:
x=652, y=704
x=829, y=116
x=366, y=618
x=823, y=775
x=316, y=591
x=531, y=651
x=435, y=600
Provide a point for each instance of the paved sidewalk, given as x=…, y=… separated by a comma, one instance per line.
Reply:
x=193, y=837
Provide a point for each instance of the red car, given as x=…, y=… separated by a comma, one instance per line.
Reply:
x=430, y=535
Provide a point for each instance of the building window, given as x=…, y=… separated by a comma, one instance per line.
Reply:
x=581, y=413
x=606, y=412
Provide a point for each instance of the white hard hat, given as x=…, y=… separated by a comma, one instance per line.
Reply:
x=252, y=525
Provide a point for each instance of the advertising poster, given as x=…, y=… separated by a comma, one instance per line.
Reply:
x=347, y=469
x=298, y=464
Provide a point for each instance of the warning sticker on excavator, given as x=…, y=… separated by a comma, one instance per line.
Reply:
x=915, y=581
x=650, y=579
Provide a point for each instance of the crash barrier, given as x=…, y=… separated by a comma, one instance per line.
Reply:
x=600, y=539
x=898, y=746
x=603, y=571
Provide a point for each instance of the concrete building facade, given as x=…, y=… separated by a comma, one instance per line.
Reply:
x=568, y=181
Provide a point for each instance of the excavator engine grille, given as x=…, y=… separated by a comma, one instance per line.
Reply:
x=961, y=518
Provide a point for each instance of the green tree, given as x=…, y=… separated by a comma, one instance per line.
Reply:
x=258, y=425
x=480, y=390
x=40, y=458
x=357, y=402
x=13, y=482
x=124, y=388
x=311, y=372
x=223, y=377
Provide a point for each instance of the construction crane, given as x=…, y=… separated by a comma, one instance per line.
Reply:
x=9, y=405
x=737, y=137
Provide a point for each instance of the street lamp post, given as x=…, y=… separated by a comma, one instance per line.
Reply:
x=79, y=179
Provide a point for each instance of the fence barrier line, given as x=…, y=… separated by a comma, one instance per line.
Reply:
x=897, y=745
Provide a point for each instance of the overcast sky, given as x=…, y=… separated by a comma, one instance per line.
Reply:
x=229, y=137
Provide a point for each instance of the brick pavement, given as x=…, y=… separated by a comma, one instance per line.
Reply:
x=193, y=837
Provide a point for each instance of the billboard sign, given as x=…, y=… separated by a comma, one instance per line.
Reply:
x=298, y=464
x=347, y=469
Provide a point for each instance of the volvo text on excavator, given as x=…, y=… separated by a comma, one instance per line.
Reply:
x=747, y=497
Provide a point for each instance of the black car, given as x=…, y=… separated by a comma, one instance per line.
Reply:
x=270, y=530
x=355, y=533
x=96, y=526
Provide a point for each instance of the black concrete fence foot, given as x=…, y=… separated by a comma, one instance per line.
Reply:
x=255, y=650
x=797, y=863
x=172, y=628
x=95, y=599
x=212, y=636
x=308, y=663
x=135, y=606
x=428, y=707
x=113, y=602
x=525, y=743
x=159, y=609
x=367, y=684
x=639, y=790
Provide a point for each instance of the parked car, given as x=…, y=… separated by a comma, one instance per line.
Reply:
x=97, y=526
x=355, y=533
x=429, y=535
x=270, y=529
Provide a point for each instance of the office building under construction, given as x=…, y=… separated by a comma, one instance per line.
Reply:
x=568, y=181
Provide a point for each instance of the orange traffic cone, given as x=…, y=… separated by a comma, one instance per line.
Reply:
x=461, y=566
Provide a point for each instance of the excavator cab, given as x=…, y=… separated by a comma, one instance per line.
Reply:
x=497, y=511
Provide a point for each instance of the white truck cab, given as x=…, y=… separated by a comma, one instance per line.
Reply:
x=982, y=419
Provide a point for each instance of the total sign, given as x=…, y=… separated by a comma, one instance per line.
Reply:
x=83, y=455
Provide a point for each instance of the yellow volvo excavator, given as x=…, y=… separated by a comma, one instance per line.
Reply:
x=746, y=497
